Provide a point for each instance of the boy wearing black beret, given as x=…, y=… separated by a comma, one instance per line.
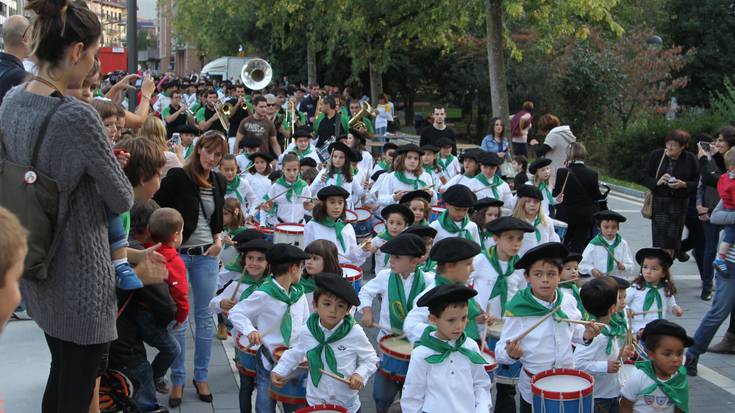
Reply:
x=488, y=183
x=608, y=253
x=455, y=220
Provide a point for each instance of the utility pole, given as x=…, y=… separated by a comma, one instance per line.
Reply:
x=132, y=43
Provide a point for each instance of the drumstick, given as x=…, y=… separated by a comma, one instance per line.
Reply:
x=426, y=187
x=239, y=282
x=375, y=325
x=538, y=323
x=272, y=199
x=571, y=280
x=564, y=185
x=334, y=376
x=583, y=322
x=483, y=341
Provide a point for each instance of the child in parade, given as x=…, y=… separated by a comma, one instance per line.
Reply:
x=455, y=220
x=470, y=168
x=408, y=175
x=528, y=208
x=659, y=384
x=520, y=166
x=397, y=218
x=339, y=172
x=245, y=160
x=289, y=197
x=233, y=219
x=569, y=277
x=445, y=355
x=488, y=183
x=189, y=135
x=332, y=342
x=302, y=146
x=651, y=295
x=322, y=258
x=419, y=202
x=357, y=140
x=430, y=164
x=607, y=253
x=386, y=160
x=237, y=186
x=257, y=177
x=541, y=171
x=484, y=212
x=427, y=233
x=449, y=163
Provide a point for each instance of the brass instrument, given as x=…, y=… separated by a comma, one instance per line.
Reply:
x=228, y=109
x=358, y=121
x=292, y=114
x=222, y=115
x=256, y=74
x=318, y=110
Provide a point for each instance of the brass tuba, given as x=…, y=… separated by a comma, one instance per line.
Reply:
x=358, y=121
x=256, y=74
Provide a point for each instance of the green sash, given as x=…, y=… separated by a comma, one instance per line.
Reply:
x=290, y=299
x=653, y=295
x=384, y=165
x=415, y=183
x=187, y=151
x=252, y=284
x=572, y=287
x=445, y=349
x=544, y=187
x=524, y=304
x=399, y=305
x=338, y=226
x=293, y=187
x=599, y=241
x=501, y=283
x=314, y=356
x=474, y=310
x=429, y=266
x=232, y=187
x=303, y=154
x=450, y=226
x=338, y=178
x=444, y=163
x=614, y=329
x=494, y=184
x=676, y=388
x=307, y=283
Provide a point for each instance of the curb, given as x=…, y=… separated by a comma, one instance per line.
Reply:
x=625, y=190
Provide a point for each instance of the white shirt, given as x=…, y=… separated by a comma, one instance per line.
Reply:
x=247, y=197
x=354, y=187
x=547, y=235
x=263, y=313
x=504, y=192
x=261, y=185
x=458, y=179
x=635, y=299
x=593, y=360
x=354, y=354
x=190, y=100
x=162, y=103
x=657, y=402
x=548, y=346
x=288, y=211
x=455, y=385
x=366, y=164
x=452, y=169
x=243, y=162
x=441, y=233
x=595, y=256
x=351, y=254
x=390, y=185
x=378, y=288
x=380, y=262
x=483, y=279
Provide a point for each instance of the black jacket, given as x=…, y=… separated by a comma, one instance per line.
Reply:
x=686, y=168
x=12, y=73
x=179, y=192
x=581, y=194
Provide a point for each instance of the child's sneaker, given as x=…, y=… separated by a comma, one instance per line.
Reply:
x=162, y=386
x=126, y=278
x=720, y=265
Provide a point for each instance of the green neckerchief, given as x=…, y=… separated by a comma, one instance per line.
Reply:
x=450, y=226
x=232, y=187
x=252, y=284
x=494, y=184
x=338, y=177
x=676, y=388
x=338, y=226
x=536, y=223
x=188, y=150
x=386, y=236
x=303, y=154
x=524, y=304
x=474, y=310
x=571, y=286
x=307, y=283
x=399, y=304
x=430, y=167
x=277, y=293
x=296, y=187
x=610, y=248
x=445, y=349
x=354, y=171
x=314, y=356
x=423, y=222
x=615, y=328
x=544, y=187
x=125, y=218
x=653, y=295
x=429, y=266
x=444, y=163
x=416, y=183
x=501, y=283
x=384, y=165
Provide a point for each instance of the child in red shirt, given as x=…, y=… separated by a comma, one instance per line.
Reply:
x=166, y=227
x=726, y=189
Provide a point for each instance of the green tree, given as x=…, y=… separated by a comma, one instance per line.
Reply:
x=146, y=40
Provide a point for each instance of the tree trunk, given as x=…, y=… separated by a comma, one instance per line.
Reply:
x=310, y=63
x=410, y=114
x=376, y=84
x=495, y=60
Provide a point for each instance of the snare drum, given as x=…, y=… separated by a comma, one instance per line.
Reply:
x=353, y=274
x=562, y=390
x=323, y=408
x=294, y=392
x=362, y=224
x=289, y=234
x=246, y=358
x=435, y=212
x=504, y=373
x=396, y=353
x=490, y=363
x=378, y=228
x=560, y=228
x=268, y=233
x=350, y=216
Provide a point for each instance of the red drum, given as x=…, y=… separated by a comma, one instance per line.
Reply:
x=289, y=234
x=294, y=392
x=323, y=408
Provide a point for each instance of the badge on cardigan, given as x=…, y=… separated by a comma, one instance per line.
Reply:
x=30, y=177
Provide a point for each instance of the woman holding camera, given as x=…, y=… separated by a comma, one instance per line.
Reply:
x=672, y=175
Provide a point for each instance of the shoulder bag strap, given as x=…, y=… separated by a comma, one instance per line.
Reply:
x=42, y=133
x=655, y=177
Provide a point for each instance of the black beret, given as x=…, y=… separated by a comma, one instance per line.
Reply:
x=503, y=224
x=339, y=146
x=454, y=249
x=262, y=155
x=420, y=230
x=609, y=216
x=622, y=282
x=446, y=293
x=342, y=137
x=332, y=190
x=549, y=250
x=377, y=174
x=262, y=245
x=358, y=155
x=489, y=159
x=410, y=196
x=193, y=130
x=283, y=253
x=246, y=236
x=442, y=142
x=459, y=196
x=250, y=142
x=307, y=162
x=398, y=209
x=662, y=255
x=538, y=164
x=359, y=135
x=389, y=145
x=405, y=244
x=470, y=154
x=529, y=191
x=301, y=132
x=410, y=147
x=431, y=148
x=487, y=202
x=573, y=257
x=338, y=286
x=663, y=327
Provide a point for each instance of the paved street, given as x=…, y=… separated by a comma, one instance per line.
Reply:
x=24, y=357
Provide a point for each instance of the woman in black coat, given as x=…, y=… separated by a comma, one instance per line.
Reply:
x=581, y=193
x=672, y=175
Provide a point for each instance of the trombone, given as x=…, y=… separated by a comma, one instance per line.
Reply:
x=224, y=111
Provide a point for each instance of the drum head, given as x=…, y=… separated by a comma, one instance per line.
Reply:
x=495, y=329
x=559, y=383
x=350, y=215
x=379, y=227
x=562, y=384
x=290, y=228
x=399, y=347
x=363, y=214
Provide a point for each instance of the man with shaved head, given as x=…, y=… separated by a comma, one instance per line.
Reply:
x=16, y=36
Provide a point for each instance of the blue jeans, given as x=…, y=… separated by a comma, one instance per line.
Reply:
x=202, y=272
x=711, y=242
x=116, y=232
x=607, y=405
x=247, y=386
x=263, y=401
x=722, y=305
x=159, y=337
x=728, y=234
x=145, y=392
x=384, y=392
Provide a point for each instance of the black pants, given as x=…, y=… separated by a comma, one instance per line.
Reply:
x=505, y=400
x=577, y=237
x=519, y=148
x=74, y=369
x=526, y=407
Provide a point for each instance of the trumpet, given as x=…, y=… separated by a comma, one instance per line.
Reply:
x=358, y=121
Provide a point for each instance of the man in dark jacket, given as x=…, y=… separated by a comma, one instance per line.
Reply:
x=16, y=39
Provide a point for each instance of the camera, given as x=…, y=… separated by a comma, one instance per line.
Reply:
x=672, y=180
x=704, y=145
x=175, y=140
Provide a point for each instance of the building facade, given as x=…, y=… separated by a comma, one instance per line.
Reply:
x=113, y=15
x=176, y=56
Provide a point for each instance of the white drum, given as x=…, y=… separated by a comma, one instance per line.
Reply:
x=289, y=234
